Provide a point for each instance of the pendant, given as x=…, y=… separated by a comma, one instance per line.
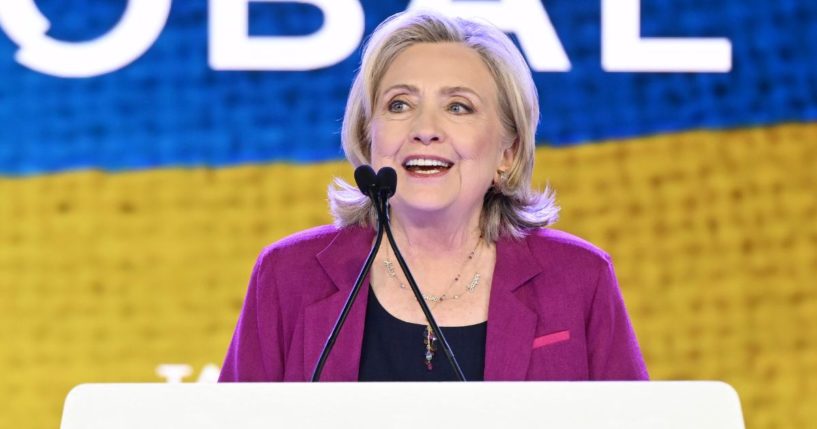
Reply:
x=431, y=347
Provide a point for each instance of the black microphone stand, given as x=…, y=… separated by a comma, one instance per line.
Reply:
x=367, y=183
x=382, y=214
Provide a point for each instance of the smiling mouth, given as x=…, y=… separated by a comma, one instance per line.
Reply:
x=427, y=166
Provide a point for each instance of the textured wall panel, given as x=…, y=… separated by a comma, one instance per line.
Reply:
x=104, y=277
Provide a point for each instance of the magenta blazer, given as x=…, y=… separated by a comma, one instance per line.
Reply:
x=555, y=311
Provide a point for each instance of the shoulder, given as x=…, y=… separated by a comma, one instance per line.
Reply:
x=560, y=247
x=303, y=246
x=313, y=238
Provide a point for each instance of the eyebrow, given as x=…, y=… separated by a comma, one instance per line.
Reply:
x=448, y=90
x=408, y=88
x=451, y=90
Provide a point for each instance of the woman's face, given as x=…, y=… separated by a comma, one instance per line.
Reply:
x=436, y=122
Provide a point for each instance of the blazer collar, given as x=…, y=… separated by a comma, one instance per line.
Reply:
x=511, y=324
x=342, y=260
x=345, y=255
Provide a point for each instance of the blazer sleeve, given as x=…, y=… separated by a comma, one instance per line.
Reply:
x=613, y=349
x=248, y=358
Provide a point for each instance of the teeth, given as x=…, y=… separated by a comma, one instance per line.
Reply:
x=423, y=162
x=428, y=172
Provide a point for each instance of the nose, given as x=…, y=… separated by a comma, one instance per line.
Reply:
x=426, y=129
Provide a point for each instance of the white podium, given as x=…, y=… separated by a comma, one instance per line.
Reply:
x=564, y=405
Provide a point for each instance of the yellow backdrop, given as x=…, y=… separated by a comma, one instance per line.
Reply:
x=104, y=277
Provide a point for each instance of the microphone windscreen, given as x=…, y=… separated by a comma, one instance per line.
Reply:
x=388, y=181
x=366, y=179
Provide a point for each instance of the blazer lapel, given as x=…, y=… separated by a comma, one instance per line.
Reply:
x=511, y=324
x=341, y=261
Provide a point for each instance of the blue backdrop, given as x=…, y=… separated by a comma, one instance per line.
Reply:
x=169, y=108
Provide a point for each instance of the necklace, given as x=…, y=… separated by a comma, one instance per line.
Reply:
x=389, y=266
x=429, y=339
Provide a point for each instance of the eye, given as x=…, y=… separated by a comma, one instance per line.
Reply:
x=398, y=106
x=459, y=108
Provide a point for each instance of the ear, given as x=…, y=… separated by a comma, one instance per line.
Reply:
x=508, y=155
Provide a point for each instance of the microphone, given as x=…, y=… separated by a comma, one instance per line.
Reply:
x=387, y=182
x=367, y=180
x=368, y=183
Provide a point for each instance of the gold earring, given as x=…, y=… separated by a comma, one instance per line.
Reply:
x=501, y=179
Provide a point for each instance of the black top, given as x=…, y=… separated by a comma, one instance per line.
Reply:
x=394, y=350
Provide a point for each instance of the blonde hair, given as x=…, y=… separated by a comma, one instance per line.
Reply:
x=510, y=206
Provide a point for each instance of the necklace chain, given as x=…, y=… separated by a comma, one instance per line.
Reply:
x=472, y=285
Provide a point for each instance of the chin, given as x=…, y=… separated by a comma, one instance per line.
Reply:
x=422, y=203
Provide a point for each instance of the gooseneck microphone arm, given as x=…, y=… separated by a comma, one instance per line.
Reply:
x=387, y=185
x=380, y=187
x=367, y=182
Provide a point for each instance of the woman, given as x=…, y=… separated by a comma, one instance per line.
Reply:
x=451, y=106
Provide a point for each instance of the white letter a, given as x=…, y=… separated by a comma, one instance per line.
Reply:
x=527, y=19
